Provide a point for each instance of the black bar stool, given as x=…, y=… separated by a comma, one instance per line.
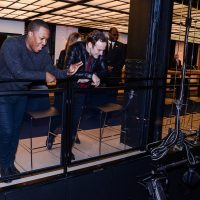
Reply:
x=35, y=115
x=104, y=110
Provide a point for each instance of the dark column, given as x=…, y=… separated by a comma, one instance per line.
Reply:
x=146, y=64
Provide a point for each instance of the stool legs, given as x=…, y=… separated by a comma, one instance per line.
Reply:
x=31, y=143
x=31, y=138
x=50, y=137
x=102, y=125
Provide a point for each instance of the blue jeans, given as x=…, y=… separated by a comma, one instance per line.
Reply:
x=12, y=109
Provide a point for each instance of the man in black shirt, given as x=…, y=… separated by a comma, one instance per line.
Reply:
x=115, y=57
x=23, y=57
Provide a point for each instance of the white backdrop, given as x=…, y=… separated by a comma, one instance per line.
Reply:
x=62, y=33
x=8, y=26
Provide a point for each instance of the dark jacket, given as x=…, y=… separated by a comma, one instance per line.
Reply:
x=61, y=59
x=116, y=57
x=79, y=53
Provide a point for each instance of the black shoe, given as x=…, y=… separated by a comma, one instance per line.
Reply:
x=77, y=140
x=5, y=173
x=50, y=140
x=72, y=156
x=14, y=170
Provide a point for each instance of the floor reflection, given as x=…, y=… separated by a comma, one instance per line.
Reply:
x=89, y=147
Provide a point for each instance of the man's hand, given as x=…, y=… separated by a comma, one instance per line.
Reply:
x=83, y=80
x=50, y=79
x=96, y=80
x=110, y=68
x=73, y=68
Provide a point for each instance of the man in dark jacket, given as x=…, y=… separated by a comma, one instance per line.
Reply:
x=22, y=58
x=90, y=53
x=115, y=57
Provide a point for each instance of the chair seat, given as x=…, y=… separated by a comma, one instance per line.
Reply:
x=195, y=99
x=169, y=101
x=110, y=107
x=52, y=111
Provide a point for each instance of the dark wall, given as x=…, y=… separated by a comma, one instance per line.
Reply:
x=146, y=66
x=118, y=182
x=50, y=191
x=2, y=197
x=97, y=185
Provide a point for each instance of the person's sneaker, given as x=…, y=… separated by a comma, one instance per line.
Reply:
x=14, y=170
x=49, y=141
x=72, y=156
x=5, y=173
x=77, y=140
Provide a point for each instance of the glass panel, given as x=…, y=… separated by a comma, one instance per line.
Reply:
x=35, y=114
x=103, y=122
x=99, y=117
x=189, y=112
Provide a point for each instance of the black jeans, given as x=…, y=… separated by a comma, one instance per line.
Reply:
x=90, y=99
x=12, y=109
x=78, y=101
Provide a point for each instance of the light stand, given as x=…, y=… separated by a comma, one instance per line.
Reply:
x=176, y=140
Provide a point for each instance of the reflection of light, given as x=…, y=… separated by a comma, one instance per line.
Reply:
x=27, y=1
x=43, y=9
x=44, y=2
x=94, y=14
x=30, y=7
x=17, y=5
x=7, y=11
x=5, y=4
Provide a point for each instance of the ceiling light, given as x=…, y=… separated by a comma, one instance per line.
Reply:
x=44, y=2
x=17, y=5
x=31, y=8
x=4, y=4
x=57, y=4
x=43, y=9
x=27, y=1
x=6, y=11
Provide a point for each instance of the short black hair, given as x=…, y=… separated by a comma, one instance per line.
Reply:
x=36, y=24
x=113, y=28
x=96, y=35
